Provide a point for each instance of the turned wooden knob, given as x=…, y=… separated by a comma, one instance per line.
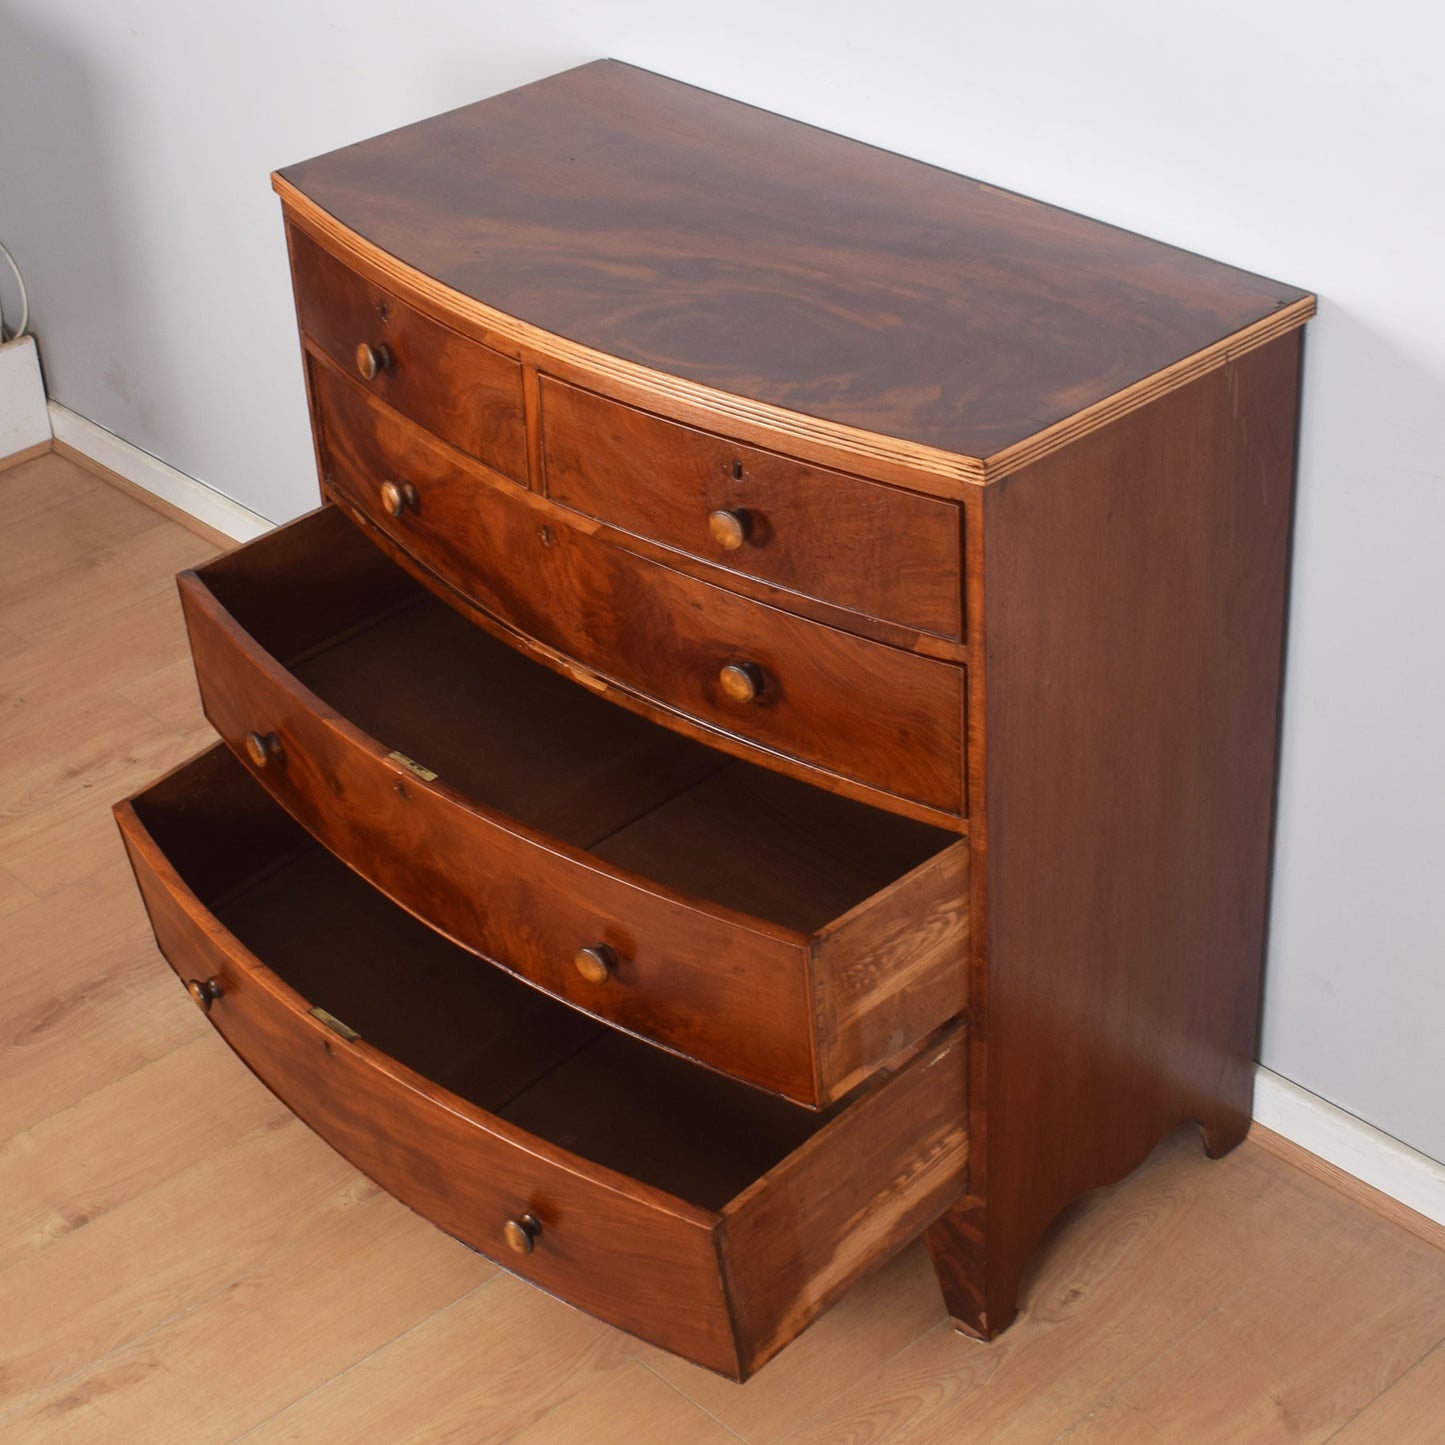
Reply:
x=262, y=747
x=372, y=359
x=398, y=497
x=596, y=963
x=729, y=528
x=742, y=681
x=521, y=1232
x=205, y=991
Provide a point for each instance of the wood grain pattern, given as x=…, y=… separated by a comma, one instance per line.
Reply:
x=880, y=294
x=1134, y=607
x=889, y=719
x=522, y=898
x=888, y=973
x=546, y=512
x=706, y=878
x=1411, y=1409
x=821, y=533
x=183, y=1372
x=464, y=391
x=262, y=1321
x=620, y=1251
x=849, y=1199
x=475, y=1100
x=538, y=1354
x=85, y=1162
x=1382, y=1205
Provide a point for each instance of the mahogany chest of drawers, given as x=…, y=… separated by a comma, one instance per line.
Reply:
x=767, y=749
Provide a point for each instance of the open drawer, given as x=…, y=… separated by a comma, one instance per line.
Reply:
x=772, y=930
x=693, y=1211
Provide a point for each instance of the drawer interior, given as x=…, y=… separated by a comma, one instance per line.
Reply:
x=432, y=1006
x=516, y=737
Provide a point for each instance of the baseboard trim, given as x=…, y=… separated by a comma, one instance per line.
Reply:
x=18, y=459
x=169, y=490
x=1353, y=1150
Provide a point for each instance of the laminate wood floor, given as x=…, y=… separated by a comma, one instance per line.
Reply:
x=180, y=1261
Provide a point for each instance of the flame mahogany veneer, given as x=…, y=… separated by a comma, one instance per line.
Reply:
x=767, y=749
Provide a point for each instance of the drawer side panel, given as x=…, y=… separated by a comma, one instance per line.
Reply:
x=849, y=1199
x=889, y=974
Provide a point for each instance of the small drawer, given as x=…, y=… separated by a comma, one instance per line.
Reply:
x=463, y=391
x=770, y=929
x=689, y=1210
x=887, y=718
x=874, y=549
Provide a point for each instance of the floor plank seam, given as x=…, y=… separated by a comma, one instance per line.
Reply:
x=110, y=1083
x=1437, y=1348
x=193, y=1303
x=331, y=1380
x=696, y=1404
x=879, y=1365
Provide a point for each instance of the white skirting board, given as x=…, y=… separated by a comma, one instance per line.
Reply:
x=1305, y=1119
x=1371, y=1155
x=151, y=474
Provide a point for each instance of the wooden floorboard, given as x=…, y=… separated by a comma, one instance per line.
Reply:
x=182, y=1262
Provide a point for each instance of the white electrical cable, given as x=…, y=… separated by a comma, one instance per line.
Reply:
x=24, y=300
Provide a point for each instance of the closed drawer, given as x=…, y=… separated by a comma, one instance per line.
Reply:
x=770, y=929
x=460, y=389
x=887, y=718
x=696, y=1213
x=874, y=549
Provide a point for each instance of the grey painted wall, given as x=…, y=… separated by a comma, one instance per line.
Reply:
x=1299, y=138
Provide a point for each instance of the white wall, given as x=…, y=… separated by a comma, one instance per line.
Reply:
x=1297, y=138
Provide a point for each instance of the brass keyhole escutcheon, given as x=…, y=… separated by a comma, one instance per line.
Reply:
x=595, y=963
x=398, y=497
x=521, y=1233
x=205, y=991
x=729, y=527
x=262, y=748
x=741, y=681
x=371, y=361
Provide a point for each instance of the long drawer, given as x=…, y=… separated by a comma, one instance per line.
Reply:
x=644, y=1190
x=888, y=718
x=772, y=930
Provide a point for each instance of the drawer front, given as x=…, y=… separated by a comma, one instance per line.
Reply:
x=889, y=719
x=625, y=1253
x=767, y=1214
x=702, y=982
x=873, y=549
x=450, y=384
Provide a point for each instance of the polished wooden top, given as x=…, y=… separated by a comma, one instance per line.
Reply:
x=766, y=258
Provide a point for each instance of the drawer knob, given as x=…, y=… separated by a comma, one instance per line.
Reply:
x=742, y=681
x=729, y=528
x=596, y=963
x=398, y=497
x=371, y=360
x=521, y=1232
x=261, y=748
x=205, y=991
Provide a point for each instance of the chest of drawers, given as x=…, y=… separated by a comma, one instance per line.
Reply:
x=767, y=748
